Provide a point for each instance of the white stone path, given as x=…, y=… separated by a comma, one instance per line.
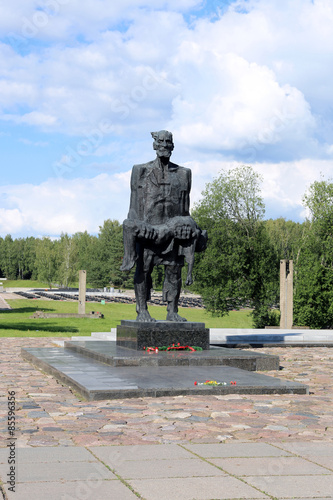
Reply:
x=252, y=337
x=3, y=303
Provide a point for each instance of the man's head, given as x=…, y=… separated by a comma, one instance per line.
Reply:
x=163, y=143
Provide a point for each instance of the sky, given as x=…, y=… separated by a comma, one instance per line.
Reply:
x=84, y=82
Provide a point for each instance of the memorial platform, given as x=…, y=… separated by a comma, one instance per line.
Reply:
x=103, y=370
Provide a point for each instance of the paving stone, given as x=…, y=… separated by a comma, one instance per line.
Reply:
x=112, y=455
x=278, y=466
x=291, y=486
x=323, y=461
x=53, y=429
x=60, y=471
x=49, y=454
x=150, y=469
x=196, y=487
x=318, y=449
x=37, y=414
x=236, y=450
x=73, y=490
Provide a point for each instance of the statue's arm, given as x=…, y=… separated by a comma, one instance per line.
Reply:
x=135, y=221
x=187, y=194
x=134, y=211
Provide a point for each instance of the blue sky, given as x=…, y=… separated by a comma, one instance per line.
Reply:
x=82, y=85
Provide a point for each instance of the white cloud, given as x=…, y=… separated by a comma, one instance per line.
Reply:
x=222, y=85
x=60, y=19
x=39, y=144
x=61, y=205
x=11, y=221
x=245, y=104
x=33, y=118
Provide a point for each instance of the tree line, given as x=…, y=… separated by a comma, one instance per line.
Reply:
x=240, y=266
x=58, y=261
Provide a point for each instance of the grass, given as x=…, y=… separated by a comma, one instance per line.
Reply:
x=17, y=323
x=24, y=284
x=33, y=284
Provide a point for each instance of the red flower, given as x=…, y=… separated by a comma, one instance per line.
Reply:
x=195, y=383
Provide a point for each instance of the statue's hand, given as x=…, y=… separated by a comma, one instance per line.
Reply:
x=147, y=232
x=189, y=280
x=183, y=232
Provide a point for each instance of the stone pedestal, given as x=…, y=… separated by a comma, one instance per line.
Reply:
x=82, y=291
x=286, y=294
x=137, y=335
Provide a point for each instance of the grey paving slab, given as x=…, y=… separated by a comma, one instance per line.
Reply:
x=197, y=488
x=57, y=471
x=293, y=486
x=49, y=454
x=74, y=490
x=263, y=466
x=96, y=380
x=150, y=469
x=323, y=461
x=221, y=450
x=113, y=455
x=304, y=448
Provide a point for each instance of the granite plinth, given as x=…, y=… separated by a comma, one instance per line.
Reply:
x=137, y=335
x=95, y=380
x=110, y=353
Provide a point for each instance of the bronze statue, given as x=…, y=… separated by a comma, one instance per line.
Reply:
x=159, y=229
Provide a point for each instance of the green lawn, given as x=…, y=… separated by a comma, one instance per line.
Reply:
x=16, y=322
x=32, y=284
x=24, y=284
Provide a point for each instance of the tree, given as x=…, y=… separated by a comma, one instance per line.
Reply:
x=239, y=265
x=29, y=269
x=9, y=258
x=86, y=245
x=108, y=256
x=285, y=236
x=47, y=260
x=313, y=298
x=67, y=271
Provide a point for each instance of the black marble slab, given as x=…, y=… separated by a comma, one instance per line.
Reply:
x=137, y=335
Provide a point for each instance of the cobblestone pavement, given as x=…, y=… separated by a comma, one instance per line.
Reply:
x=49, y=414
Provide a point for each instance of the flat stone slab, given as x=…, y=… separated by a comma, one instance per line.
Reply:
x=110, y=353
x=96, y=381
x=271, y=337
x=138, y=334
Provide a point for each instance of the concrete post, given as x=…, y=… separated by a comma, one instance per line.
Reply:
x=286, y=293
x=82, y=291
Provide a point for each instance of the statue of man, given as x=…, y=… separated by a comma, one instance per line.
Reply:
x=159, y=229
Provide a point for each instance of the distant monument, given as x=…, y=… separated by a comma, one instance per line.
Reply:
x=286, y=294
x=82, y=291
x=159, y=229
